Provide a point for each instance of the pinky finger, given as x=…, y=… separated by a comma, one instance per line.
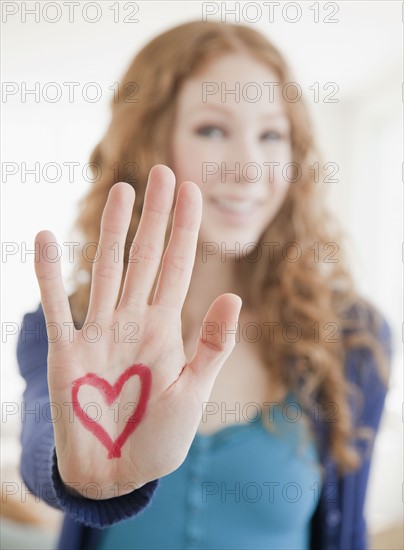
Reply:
x=55, y=303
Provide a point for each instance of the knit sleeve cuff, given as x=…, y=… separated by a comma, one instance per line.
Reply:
x=91, y=512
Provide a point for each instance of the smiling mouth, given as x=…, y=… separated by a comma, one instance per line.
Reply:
x=239, y=207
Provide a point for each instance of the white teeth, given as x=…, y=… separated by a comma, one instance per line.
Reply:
x=235, y=206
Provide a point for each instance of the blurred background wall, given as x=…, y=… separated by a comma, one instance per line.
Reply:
x=352, y=47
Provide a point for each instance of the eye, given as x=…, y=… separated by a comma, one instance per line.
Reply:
x=209, y=131
x=272, y=135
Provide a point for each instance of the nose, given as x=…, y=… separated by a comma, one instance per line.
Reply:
x=243, y=163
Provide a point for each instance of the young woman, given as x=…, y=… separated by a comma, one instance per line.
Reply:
x=253, y=421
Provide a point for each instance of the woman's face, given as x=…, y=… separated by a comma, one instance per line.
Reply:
x=234, y=147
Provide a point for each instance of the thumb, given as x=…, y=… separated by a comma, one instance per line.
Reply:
x=217, y=339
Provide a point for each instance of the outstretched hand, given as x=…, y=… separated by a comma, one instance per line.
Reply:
x=104, y=365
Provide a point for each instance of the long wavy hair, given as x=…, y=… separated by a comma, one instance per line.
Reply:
x=314, y=296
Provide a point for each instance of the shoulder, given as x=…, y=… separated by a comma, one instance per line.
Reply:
x=32, y=340
x=368, y=351
x=31, y=317
x=367, y=337
x=363, y=316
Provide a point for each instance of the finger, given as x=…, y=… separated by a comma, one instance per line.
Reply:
x=55, y=303
x=107, y=270
x=149, y=240
x=216, y=341
x=179, y=257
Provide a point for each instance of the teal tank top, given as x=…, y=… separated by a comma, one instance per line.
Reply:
x=252, y=484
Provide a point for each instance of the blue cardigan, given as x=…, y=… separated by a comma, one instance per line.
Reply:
x=337, y=524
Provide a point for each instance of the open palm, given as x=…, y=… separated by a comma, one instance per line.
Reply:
x=132, y=354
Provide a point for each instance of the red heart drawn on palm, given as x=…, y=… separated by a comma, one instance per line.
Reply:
x=110, y=393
